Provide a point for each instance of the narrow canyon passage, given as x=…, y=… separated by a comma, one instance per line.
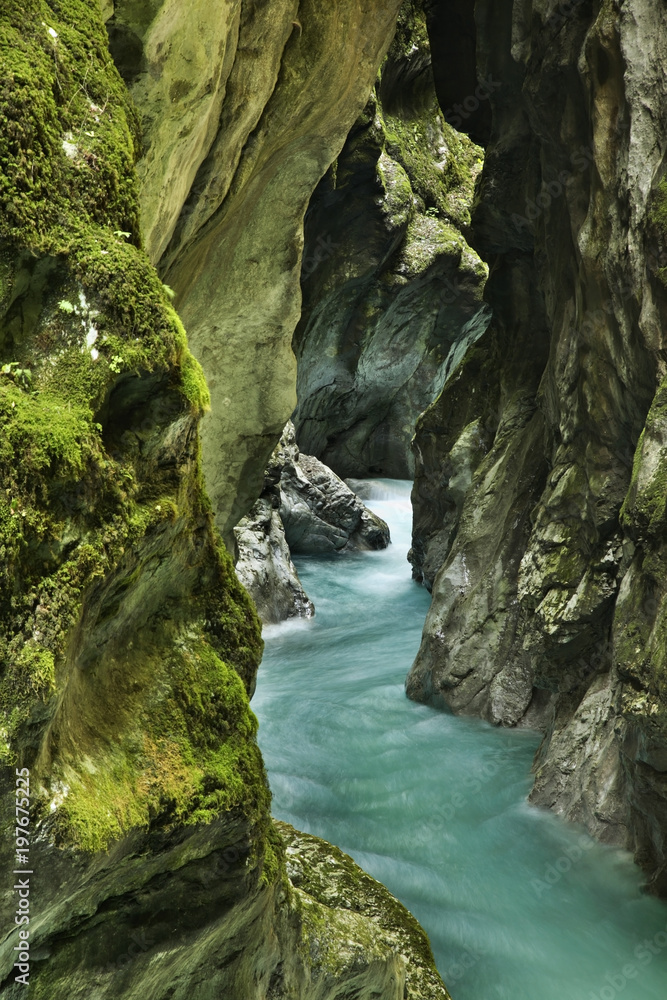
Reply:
x=518, y=905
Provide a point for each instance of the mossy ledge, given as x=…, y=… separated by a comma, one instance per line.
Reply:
x=125, y=640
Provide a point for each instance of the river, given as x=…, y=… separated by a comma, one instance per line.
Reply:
x=518, y=904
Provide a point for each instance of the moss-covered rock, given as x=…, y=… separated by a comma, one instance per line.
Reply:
x=328, y=881
x=389, y=281
x=128, y=649
x=241, y=118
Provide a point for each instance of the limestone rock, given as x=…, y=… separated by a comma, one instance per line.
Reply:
x=320, y=513
x=325, y=875
x=265, y=568
x=389, y=283
x=543, y=547
x=305, y=509
x=244, y=106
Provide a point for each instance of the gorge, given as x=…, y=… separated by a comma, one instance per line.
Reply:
x=433, y=235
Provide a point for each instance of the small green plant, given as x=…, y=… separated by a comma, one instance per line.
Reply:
x=431, y=213
x=170, y=291
x=22, y=377
x=65, y=306
x=121, y=232
x=116, y=364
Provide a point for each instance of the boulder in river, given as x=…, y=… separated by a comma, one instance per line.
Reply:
x=304, y=508
x=265, y=568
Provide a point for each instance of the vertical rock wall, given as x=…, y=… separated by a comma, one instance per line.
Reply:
x=244, y=105
x=539, y=507
x=391, y=288
x=128, y=650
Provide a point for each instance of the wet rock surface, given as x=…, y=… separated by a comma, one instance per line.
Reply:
x=538, y=504
x=304, y=509
x=390, y=284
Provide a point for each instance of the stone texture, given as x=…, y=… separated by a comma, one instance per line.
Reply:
x=265, y=568
x=543, y=547
x=321, y=514
x=306, y=509
x=332, y=879
x=182, y=917
x=390, y=285
x=244, y=105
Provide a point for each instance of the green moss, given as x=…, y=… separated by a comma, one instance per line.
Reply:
x=273, y=863
x=644, y=510
x=59, y=87
x=193, y=757
x=193, y=380
x=411, y=29
x=51, y=435
x=339, y=904
x=441, y=163
x=657, y=215
x=30, y=677
x=97, y=497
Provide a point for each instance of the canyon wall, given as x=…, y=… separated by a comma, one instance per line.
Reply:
x=243, y=108
x=540, y=470
x=391, y=289
x=128, y=649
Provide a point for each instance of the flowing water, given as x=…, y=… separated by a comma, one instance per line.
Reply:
x=518, y=905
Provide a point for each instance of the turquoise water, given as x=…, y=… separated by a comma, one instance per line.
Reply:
x=518, y=905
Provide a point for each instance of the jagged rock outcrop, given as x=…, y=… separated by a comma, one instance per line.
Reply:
x=304, y=509
x=265, y=568
x=128, y=650
x=244, y=105
x=539, y=491
x=320, y=512
x=390, y=285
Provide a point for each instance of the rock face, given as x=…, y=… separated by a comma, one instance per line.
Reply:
x=128, y=649
x=539, y=492
x=265, y=568
x=321, y=514
x=304, y=508
x=331, y=879
x=244, y=105
x=390, y=285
